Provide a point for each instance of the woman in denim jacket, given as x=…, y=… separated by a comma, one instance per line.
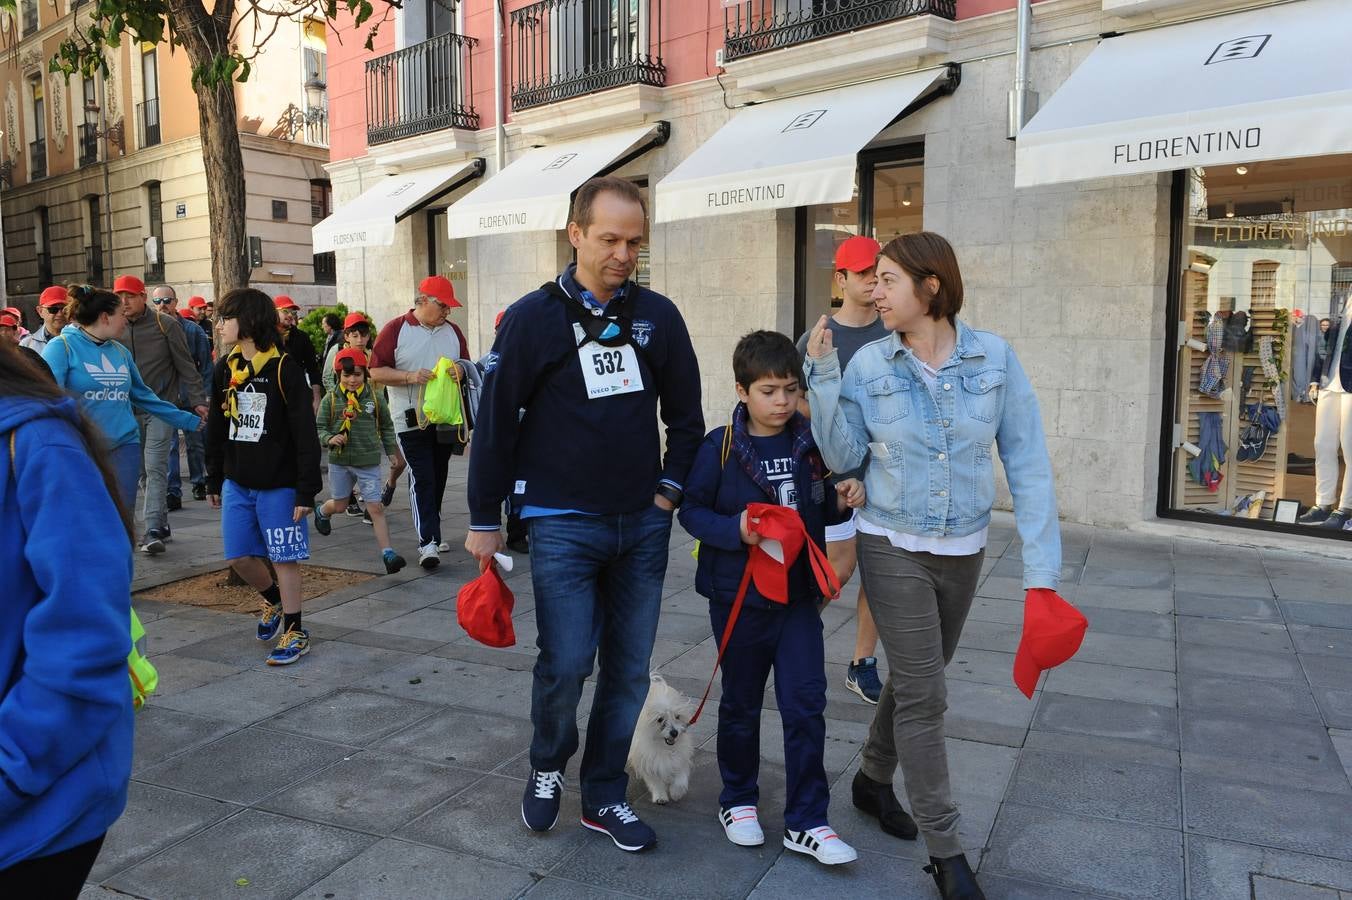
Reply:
x=923, y=408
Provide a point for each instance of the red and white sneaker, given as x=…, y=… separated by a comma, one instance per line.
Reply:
x=742, y=826
x=822, y=843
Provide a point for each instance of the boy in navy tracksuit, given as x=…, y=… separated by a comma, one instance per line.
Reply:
x=770, y=458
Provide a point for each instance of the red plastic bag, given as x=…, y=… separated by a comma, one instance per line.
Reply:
x=484, y=608
x=1052, y=632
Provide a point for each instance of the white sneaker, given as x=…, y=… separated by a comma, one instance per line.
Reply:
x=741, y=826
x=821, y=842
x=428, y=557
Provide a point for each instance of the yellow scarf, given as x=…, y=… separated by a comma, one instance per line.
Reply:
x=241, y=370
x=350, y=411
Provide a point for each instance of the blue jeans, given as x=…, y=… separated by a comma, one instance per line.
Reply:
x=197, y=462
x=598, y=587
x=125, y=461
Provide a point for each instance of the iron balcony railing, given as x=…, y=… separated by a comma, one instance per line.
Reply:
x=568, y=48
x=89, y=145
x=422, y=88
x=326, y=268
x=148, y=122
x=37, y=160
x=755, y=26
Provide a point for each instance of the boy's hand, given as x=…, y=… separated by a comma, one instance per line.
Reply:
x=851, y=491
x=338, y=440
x=214, y=500
x=397, y=464
x=300, y=512
x=819, y=340
x=748, y=536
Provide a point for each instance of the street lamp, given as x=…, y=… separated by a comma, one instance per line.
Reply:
x=114, y=135
x=294, y=119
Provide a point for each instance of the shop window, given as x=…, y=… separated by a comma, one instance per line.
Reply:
x=154, y=242
x=1263, y=305
x=450, y=257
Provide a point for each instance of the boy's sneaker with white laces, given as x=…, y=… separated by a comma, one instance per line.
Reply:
x=623, y=825
x=323, y=523
x=742, y=826
x=428, y=557
x=862, y=678
x=540, y=803
x=822, y=843
x=269, y=621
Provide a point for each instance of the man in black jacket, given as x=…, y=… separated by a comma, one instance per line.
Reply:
x=590, y=357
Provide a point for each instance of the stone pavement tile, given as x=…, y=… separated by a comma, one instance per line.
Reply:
x=1224, y=662
x=1146, y=576
x=393, y=869
x=684, y=627
x=247, y=697
x=94, y=892
x=1327, y=671
x=562, y=889
x=333, y=663
x=371, y=791
x=1323, y=641
x=470, y=651
x=1123, y=650
x=357, y=718
x=1132, y=752
x=1210, y=560
x=989, y=609
x=173, y=632
x=183, y=673
x=1087, y=679
x=1283, y=817
x=1226, y=633
x=984, y=666
x=843, y=740
x=992, y=713
x=1152, y=600
x=430, y=623
x=278, y=856
x=1247, y=697
x=1001, y=588
x=1328, y=615
x=1326, y=586
x=1129, y=622
x=1013, y=568
x=1097, y=856
x=398, y=642
x=1298, y=752
x=692, y=859
x=976, y=817
x=994, y=636
x=1220, y=585
x=1102, y=787
x=462, y=737
x=162, y=732
x=246, y=765
x=364, y=612
x=1335, y=705
x=1342, y=742
x=1222, y=870
x=1266, y=888
x=872, y=875
x=455, y=683
x=151, y=610
x=1156, y=725
x=155, y=818
x=1239, y=607
x=705, y=786
x=998, y=887
x=429, y=588
x=486, y=822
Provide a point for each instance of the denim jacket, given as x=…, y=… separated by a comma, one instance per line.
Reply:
x=930, y=469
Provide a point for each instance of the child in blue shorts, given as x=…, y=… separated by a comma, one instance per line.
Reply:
x=263, y=464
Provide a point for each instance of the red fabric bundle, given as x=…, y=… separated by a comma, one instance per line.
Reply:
x=783, y=537
x=1052, y=632
x=484, y=608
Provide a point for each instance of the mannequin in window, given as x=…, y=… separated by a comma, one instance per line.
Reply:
x=1333, y=429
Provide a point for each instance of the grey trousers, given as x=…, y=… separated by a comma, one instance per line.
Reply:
x=156, y=436
x=919, y=603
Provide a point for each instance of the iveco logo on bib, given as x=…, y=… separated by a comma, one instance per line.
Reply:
x=1238, y=48
x=804, y=120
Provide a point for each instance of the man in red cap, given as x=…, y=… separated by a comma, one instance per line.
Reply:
x=159, y=347
x=197, y=307
x=296, y=344
x=853, y=325
x=405, y=352
x=52, y=311
x=9, y=326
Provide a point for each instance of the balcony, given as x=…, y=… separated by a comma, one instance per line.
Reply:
x=422, y=88
x=758, y=26
x=148, y=122
x=89, y=145
x=37, y=160
x=326, y=268
x=569, y=48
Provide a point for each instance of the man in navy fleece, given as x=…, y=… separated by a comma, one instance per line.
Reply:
x=590, y=357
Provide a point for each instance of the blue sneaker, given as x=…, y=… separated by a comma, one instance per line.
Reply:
x=269, y=620
x=292, y=646
x=623, y=826
x=862, y=678
x=323, y=523
x=393, y=561
x=540, y=804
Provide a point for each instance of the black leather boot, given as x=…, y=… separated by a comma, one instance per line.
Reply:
x=955, y=878
x=877, y=800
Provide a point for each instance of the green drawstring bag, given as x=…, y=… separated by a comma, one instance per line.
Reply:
x=442, y=402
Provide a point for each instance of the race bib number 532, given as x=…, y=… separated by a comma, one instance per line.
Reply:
x=609, y=370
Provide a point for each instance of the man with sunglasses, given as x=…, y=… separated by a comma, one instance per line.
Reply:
x=591, y=358
x=160, y=350
x=165, y=299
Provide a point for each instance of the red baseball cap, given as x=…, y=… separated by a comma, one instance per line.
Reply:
x=128, y=284
x=440, y=289
x=13, y=311
x=497, y=320
x=187, y=313
x=857, y=254
x=358, y=358
x=284, y=302
x=8, y=319
x=1052, y=632
x=197, y=303
x=53, y=296
x=354, y=319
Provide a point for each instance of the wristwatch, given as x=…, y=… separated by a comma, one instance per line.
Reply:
x=673, y=495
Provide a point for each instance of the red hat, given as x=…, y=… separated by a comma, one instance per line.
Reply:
x=857, y=254
x=128, y=284
x=484, y=608
x=354, y=319
x=358, y=358
x=187, y=313
x=1052, y=632
x=8, y=319
x=282, y=301
x=13, y=311
x=439, y=288
x=497, y=320
x=53, y=296
x=197, y=303
x=783, y=538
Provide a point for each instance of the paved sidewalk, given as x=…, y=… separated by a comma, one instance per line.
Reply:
x=1192, y=749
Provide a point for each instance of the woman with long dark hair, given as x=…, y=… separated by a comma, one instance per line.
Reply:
x=65, y=698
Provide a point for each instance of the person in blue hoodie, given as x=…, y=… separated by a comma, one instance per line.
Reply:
x=65, y=698
x=86, y=360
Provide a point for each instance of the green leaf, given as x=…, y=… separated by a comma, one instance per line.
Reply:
x=242, y=882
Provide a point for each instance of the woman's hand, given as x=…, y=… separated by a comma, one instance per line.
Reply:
x=338, y=440
x=748, y=536
x=851, y=491
x=819, y=340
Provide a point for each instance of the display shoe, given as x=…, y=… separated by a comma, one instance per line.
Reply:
x=1337, y=519
x=1314, y=515
x=955, y=878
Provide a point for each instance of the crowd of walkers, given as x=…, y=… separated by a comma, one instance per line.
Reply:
x=874, y=437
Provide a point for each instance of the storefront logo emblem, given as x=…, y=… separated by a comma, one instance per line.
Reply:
x=805, y=120
x=1239, y=48
x=560, y=162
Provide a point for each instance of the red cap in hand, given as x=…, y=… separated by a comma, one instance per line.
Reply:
x=1052, y=632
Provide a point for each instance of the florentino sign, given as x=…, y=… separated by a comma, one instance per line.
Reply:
x=1188, y=145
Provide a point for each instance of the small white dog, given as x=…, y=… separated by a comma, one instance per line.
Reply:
x=662, y=752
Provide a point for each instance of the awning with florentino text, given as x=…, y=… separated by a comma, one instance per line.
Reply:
x=369, y=219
